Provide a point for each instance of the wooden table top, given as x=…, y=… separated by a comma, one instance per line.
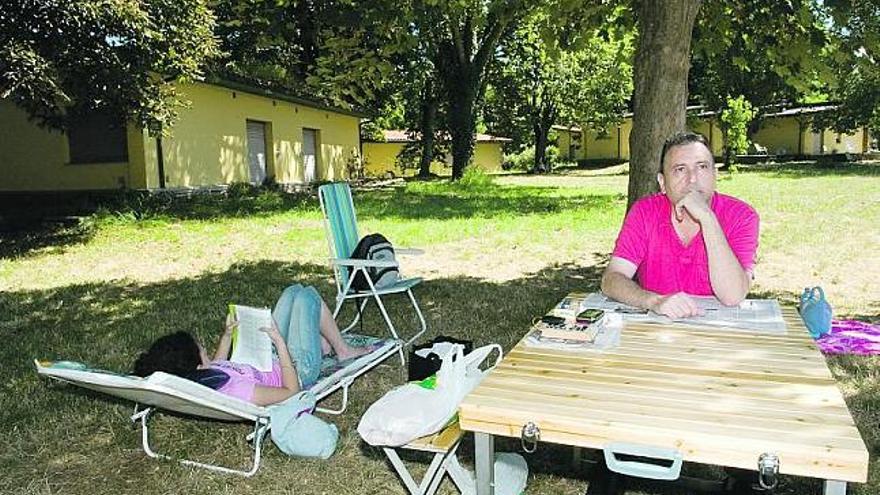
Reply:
x=719, y=397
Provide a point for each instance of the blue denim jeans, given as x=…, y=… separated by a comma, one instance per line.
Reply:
x=298, y=315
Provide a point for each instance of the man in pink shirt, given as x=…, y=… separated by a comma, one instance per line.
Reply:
x=687, y=240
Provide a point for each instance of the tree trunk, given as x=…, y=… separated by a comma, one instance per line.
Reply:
x=462, y=124
x=543, y=123
x=461, y=60
x=540, y=165
x=660, y=86
x=429, y=114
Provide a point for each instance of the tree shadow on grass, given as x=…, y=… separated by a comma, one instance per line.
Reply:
x=21, y=240
x=107, y=324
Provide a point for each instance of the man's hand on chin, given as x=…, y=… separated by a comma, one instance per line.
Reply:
x=678, y=305
x=696, y=205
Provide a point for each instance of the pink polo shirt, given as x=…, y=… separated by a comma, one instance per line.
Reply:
x=665, y=265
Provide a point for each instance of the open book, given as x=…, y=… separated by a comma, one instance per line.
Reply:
x=250, y=345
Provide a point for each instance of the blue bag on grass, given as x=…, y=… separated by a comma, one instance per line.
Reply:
x=295, y=431
x=815, y=311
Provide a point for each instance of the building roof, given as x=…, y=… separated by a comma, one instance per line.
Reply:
x=787, y=112
x=571, y=128
x=400, y=136
x=279, y=94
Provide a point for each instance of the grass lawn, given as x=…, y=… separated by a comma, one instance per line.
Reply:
x=496, y=256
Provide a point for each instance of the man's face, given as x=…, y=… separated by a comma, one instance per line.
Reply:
x=687, y=168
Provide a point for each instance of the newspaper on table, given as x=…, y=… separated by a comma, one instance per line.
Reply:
x=754, y=315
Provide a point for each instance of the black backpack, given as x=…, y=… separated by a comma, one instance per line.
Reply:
x=375, y=247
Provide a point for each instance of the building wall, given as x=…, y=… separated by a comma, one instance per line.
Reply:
x=487, y=156
x=610, y=145
x=570, y=144
x=835, y=142
x=780, y=136
x=37, y=159
x=208, y=144
x=710, y=129
x=381, y=158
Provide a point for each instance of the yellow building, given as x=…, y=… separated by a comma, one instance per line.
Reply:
x=786, y=132
x=790, y=132
x=229, y=133
x=380, y=157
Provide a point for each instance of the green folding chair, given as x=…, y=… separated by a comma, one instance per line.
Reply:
x=340, y=224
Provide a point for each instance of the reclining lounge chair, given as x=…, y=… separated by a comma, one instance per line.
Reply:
x=164, y=392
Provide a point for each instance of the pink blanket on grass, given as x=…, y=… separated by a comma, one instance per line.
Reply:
x=851, y=337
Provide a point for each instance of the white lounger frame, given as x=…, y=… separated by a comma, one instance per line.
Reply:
x=161, y=391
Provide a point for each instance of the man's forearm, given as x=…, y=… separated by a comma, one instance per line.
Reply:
x=729, y=281
x=624, y=289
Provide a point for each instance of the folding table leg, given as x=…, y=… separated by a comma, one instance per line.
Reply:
x=833, y=487
x=484, y=452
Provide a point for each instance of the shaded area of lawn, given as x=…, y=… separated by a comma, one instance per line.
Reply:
x=58, y=438
x=83, y=436
x=807, y=169
x=22, y=239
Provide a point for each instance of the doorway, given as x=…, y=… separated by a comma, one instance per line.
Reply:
x=256, y=146
x=310, y=155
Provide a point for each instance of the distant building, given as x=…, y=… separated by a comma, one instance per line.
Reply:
x=783, y=132
x=380, y=157
x=231, y=132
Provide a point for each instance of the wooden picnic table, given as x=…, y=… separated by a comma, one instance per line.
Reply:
x=715, y=396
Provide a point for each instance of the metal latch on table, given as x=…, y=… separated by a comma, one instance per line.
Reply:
x=529, y=437
x=768, y=470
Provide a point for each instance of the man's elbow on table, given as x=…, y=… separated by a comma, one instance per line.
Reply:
x=617, y=279
x=611, y=275
x=732, y=296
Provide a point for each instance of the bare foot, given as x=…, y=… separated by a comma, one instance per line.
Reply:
x=352, y=352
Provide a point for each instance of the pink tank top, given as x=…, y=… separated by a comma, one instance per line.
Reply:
x=243, y=378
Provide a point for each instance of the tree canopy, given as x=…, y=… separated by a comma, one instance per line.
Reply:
x=764, y=51
x=58, y=58
x=855, y=59
x=540, y=82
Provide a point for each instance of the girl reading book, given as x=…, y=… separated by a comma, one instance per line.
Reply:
x=303, y=331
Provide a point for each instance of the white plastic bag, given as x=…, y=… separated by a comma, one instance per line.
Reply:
x=411, y=411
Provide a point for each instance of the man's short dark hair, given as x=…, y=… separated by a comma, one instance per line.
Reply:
x=682, y=139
